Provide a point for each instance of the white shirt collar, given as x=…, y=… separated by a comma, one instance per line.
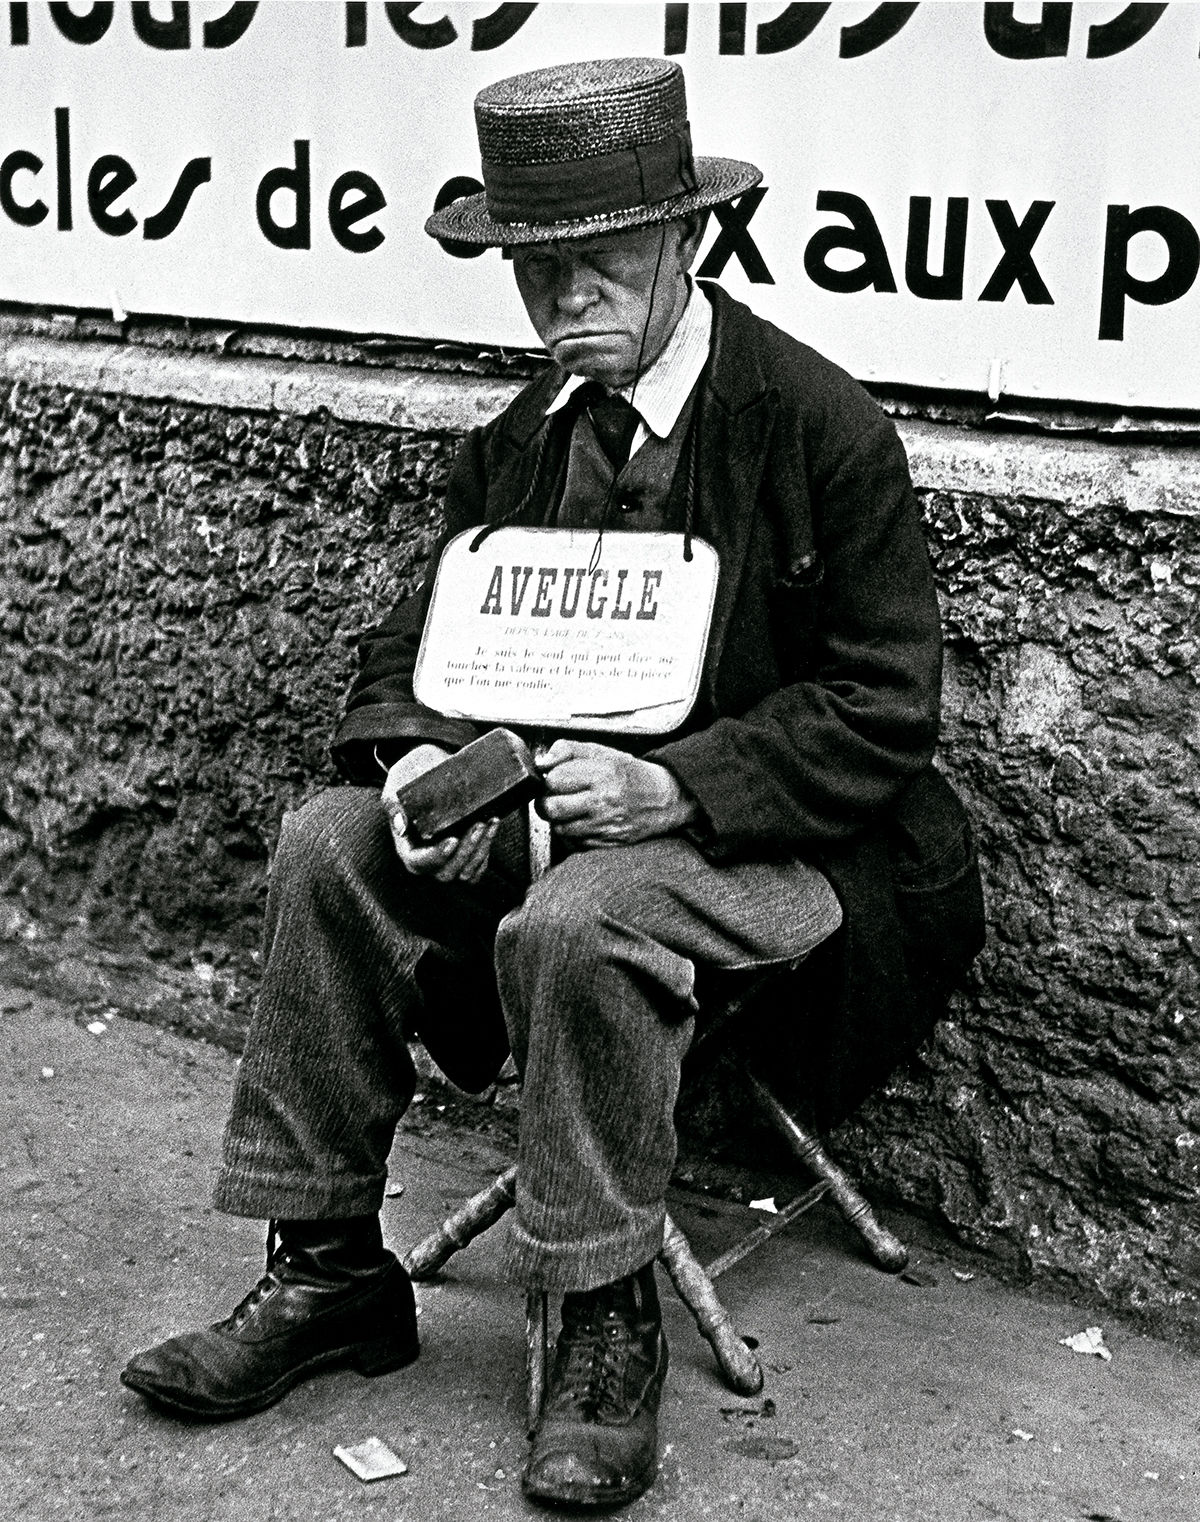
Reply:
x=660, y=392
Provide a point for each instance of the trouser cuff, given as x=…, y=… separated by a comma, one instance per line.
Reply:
x=295, y=1196
x=578, y=1265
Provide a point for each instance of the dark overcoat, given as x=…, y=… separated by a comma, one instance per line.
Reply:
x=818, y=714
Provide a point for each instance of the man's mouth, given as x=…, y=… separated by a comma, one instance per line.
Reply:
x=581, y=337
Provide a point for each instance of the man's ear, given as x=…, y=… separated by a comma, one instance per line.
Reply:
x=691, y=235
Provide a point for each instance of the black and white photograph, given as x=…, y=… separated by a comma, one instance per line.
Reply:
x=599, y=761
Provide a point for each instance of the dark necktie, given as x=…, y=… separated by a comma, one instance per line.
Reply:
x=614, y=421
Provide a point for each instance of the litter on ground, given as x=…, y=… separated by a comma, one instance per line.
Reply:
x=371, y=1459
x=1089, y=1341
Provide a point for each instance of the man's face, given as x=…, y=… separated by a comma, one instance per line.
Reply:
x=595, y=302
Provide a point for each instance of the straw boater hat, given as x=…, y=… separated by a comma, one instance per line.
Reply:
x=586, y=148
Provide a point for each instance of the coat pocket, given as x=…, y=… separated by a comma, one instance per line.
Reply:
x=794, y=600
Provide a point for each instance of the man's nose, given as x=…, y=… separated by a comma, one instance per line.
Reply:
x=576, y=288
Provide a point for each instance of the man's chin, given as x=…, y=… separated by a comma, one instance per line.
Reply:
x=598, y=359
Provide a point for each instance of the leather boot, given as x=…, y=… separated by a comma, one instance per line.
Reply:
x=332, y=1295
x=596, y=1443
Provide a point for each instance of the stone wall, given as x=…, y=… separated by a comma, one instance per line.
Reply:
x=190, y=549
x=1057, y=1118
x=191, y=546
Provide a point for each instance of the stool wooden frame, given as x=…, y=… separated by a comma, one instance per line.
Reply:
x=740, y=1369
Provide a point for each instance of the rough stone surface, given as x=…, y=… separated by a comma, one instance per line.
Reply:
x=1056, y=1119
x=183, y=583
x=183, y=588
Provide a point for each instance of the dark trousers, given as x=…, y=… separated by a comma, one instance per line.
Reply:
x=595, y=966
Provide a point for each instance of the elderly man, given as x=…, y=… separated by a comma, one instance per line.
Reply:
x=796, y=795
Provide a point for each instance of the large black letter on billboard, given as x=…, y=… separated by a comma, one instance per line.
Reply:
x=1048, y=38
x=108, y=180
x=344, y=213
x=23, y=213
x=1016, y=265
x=172, y=34
x=298, y=234
x=861, y=237
x=82, y=29
x=453, y=190
x=948, y=286
x=1183, y=263
x=733, y=220
x=162, y=223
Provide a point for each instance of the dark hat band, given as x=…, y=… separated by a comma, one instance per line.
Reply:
x=647, y=175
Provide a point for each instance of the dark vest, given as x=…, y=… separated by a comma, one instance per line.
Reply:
x=648, y=493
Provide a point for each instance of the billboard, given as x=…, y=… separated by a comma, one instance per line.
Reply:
x=997, y=198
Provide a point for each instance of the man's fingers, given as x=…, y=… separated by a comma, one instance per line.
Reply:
x=415, y=858
x=453, y=867
x=575, y=776
x=563, y=808
x=424, y=859
x=470, y=857
x=452, y=859
x=582, y=834
x=577, y=830
x=546, y=758
x=484, y=854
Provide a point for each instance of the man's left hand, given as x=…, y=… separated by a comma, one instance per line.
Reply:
x=598, y=796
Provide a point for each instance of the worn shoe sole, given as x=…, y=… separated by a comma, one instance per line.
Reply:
x=567, y=1494
x=587, y=1493
x=367, y=1358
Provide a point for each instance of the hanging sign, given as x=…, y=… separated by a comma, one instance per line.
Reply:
x=562, y=629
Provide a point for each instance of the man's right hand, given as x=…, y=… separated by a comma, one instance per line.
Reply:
x=452, y=859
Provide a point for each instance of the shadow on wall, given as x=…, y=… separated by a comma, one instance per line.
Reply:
x=1057, y=1116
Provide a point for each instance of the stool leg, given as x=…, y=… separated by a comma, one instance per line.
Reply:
x=468, y=1221
x=888, y=1251
x=537, y=1335
x=739, y=1367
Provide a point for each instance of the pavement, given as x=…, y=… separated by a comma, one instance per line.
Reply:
x=942, y=1397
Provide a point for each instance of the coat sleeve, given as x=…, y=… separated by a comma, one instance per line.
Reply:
x=382, y=715
x=855, y=715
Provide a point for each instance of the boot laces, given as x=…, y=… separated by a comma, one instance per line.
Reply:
x=594, y=1350
x=278, y=1258
x=270, y=1281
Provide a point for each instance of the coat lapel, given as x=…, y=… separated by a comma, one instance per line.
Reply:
x=737, y=414
x=518, y=447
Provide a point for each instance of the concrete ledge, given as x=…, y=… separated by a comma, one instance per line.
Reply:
x=421, y=400
x=1080, y=474
x=1138, y=477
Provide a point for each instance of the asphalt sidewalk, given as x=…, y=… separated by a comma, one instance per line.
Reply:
x=945, y=1400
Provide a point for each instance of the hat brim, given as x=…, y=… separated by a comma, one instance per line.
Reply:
x=467, y=221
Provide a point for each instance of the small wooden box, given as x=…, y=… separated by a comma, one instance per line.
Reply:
x=485, y=780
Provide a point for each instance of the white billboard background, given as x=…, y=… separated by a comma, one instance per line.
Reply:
x=931, y=111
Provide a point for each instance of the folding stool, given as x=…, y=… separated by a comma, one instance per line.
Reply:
x=739, y=1367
